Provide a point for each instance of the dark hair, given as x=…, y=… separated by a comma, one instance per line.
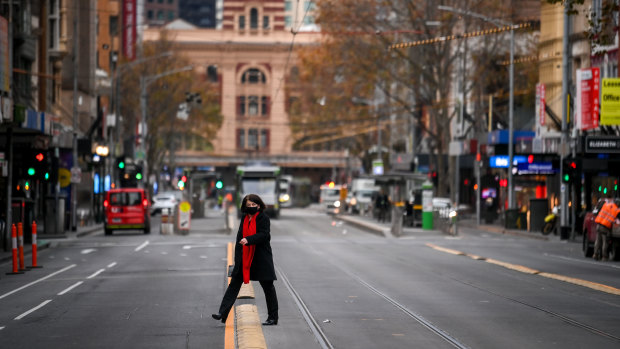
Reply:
x=255, y=199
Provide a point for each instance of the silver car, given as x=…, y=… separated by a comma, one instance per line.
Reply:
x=169, y=200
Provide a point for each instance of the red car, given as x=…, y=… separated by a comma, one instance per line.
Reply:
x=589, y=237
x=127, y=209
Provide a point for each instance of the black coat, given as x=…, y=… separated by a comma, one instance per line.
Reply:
x=262, y=264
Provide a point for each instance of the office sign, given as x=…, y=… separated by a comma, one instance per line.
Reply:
x=502, y=161
x=535, y=168
x=587, y=103
x=602, y=144
x=610, y=102
x=129, y=29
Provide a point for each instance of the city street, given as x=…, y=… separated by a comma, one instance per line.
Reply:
x=338, y=287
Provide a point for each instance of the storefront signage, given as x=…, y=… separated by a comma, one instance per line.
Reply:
x=587, y=98
x=535, y=168
x=502, y=161
x=602, y=144
x=610, y=102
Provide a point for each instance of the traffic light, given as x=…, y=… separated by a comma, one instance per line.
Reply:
x=219, y=184
x=182, y=182
x=36, y=165
x=570, y=170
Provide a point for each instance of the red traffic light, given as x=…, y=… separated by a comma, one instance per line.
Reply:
x=39, y=157
x=573, y=165
x=184, y=178
x=503, y=183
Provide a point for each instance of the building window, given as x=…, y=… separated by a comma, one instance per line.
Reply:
x=241, y=22
x=114, y=25
x=149, y=14
x=253, y=76
x=287, y=21
x=254, y=18
x=160, y=15
x=253, y=105
x=242, y=105
x=212, y=73
x=288, y=5
x=252, y=138
x=53, y=20
x=170, y=1
x=264, y=105
x=265, y=22
x=241, y=138
x=160, y=1
x=264, y=139
x=170, y=15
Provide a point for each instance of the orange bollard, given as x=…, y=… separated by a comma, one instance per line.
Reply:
x=34, y=246
x=20, y=245
x=14, y=241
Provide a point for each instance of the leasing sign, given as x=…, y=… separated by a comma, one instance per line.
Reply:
x=610, y=102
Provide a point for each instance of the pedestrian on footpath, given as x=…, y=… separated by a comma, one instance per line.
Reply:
x=604, y=222
x=253, y=259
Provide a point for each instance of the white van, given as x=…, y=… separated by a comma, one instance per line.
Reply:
x=330, y=197
x=359, y=197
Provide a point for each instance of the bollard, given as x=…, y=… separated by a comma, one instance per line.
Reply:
x=34, y=246
x=14, y=242
x=20, y=245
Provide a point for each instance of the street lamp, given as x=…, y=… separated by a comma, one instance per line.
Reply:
x=499, y=23
x=144, y=82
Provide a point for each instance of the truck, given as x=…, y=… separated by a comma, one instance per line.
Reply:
x=260, y=179
x=360, y=195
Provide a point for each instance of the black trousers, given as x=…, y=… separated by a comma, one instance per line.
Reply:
x=233, y=291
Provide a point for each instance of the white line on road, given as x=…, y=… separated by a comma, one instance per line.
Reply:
x=71, y=287
x=142, y=246
x=33, y=310
x=1, y=328
x=96, y=273
x=37, y=281
x=88, y=250
x=583, y=261
x=111, y=264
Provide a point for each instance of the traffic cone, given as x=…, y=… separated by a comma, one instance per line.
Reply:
x=20, y=245
x=34, y=246
x=14, y=242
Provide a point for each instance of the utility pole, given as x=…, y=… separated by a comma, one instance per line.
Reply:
x=565, y=110
x=76, y=70
x=9, y=139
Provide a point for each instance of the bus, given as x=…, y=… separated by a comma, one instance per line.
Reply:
x=262, y=180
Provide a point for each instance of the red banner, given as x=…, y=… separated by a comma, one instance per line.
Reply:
x=540, y=104
x=129, y=29
x=588, y=101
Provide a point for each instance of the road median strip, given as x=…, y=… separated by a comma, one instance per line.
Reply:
x=526, y=270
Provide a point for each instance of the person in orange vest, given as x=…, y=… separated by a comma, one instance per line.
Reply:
x=604, y=222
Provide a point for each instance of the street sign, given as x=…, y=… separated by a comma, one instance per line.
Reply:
x=602, y=144
x=610, y=102
x=184, y=215
x=76, y=175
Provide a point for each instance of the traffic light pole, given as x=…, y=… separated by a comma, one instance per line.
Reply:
x=565, y=110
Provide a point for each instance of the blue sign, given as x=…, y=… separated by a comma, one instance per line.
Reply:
x=502, y=161
x=536, y=168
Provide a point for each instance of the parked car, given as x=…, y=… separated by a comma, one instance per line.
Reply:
x=589, y=236
x=442, y=206
x=168, y=199
x=127, y=209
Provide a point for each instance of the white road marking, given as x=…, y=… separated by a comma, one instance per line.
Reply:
x=111, y=265
x=187, y=247
x=1, y=328
x=583, y=261
x=33, y=310
x=164, y=253
x=203, y=257
x=37, y=281
x=183, y=255
x=144, y=244
x=88, y=250
x=96, y=273
x=70, y=288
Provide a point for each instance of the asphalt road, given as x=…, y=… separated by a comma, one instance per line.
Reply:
x=338, y=287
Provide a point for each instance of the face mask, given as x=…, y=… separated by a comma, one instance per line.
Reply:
x=251, y=210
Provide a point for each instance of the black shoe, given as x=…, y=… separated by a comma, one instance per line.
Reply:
x=270, y=322
x=218, y=317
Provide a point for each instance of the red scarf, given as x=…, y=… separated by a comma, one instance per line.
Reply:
x=249, y=229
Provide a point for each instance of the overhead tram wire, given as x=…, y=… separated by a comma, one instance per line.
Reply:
x=460, y=36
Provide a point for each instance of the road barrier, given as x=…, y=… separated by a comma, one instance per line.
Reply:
x=34, y=246
x=20, y=245
x=14, y=242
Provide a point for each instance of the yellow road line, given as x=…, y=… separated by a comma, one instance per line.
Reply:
x=526, y=270
x=229, y=333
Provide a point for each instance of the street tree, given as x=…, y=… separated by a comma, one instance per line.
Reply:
x=165, y=132
x=351, y=84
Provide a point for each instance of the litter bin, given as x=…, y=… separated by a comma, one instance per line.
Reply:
x=54, y=215
x=539, y=209
x=512, y=219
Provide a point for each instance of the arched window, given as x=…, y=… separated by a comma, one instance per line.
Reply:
x=253, y=18
x=253, y=76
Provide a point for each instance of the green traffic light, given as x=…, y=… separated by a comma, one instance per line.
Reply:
x=121, y=165
x=138, y=175
x=181, y=184
x=219, y=184
x=566, y=178
x=600, y=188
x=47, y=175
x=605, y=191
x=616, y=187
x=31, y=171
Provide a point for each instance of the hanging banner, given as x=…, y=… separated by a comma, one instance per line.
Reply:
x=610, y=102
x=4, y=55
x=587, y=103
x=129, y=29
x=540, y=104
